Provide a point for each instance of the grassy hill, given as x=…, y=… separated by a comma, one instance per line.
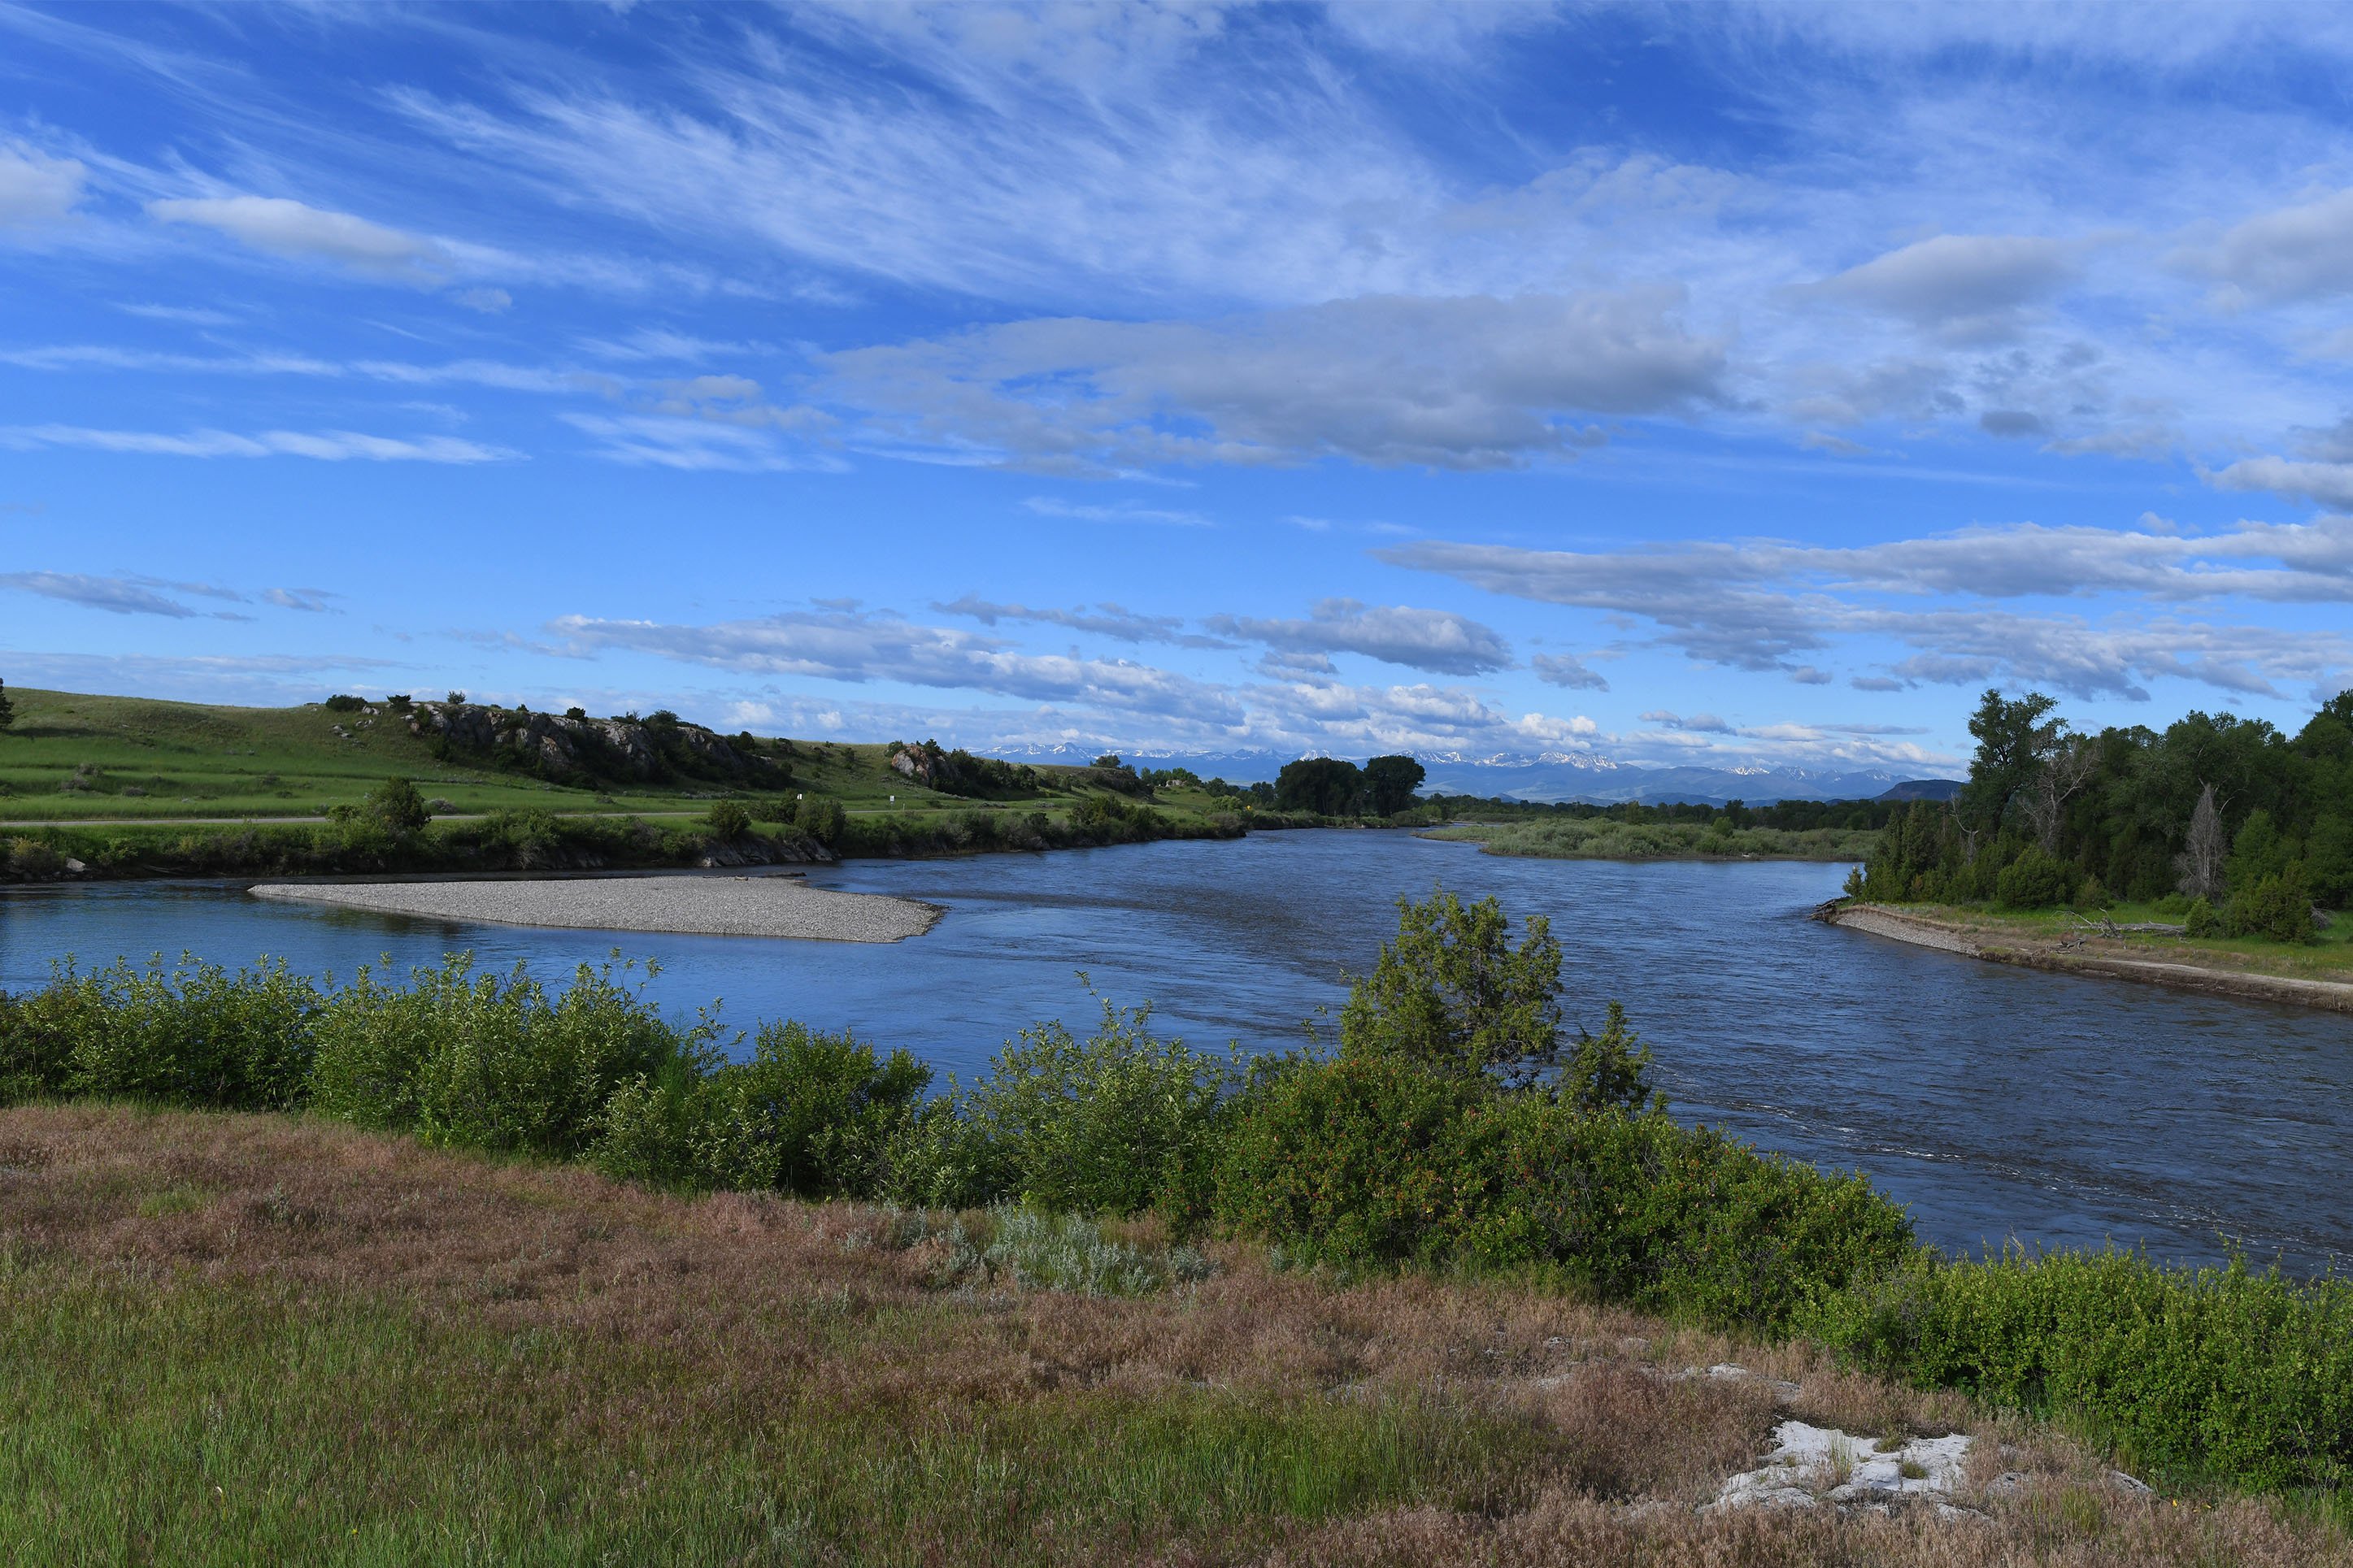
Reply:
x=130, y=785
x=75, y=757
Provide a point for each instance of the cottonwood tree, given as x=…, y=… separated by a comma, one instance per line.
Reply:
x=1328, y=786
x=2205, y=851
x=1390, y=783
x=2015, y=742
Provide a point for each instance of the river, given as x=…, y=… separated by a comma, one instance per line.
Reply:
x=1998, y=1102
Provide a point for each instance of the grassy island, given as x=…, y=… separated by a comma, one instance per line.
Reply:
x=1786, y=830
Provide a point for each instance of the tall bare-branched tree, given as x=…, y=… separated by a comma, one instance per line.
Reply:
x=2200, y=864
x=2072, y=764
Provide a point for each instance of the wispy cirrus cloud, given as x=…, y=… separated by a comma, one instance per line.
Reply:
x=135, y=594
x=322, y=446
x=282, y=227
x=1455, y=382
x=1438, y=641
x=37, y=191
x=1104, y=620
x=854, y=646
x=1759, y=605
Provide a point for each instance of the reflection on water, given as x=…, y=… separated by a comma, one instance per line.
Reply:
x=1996, y=1101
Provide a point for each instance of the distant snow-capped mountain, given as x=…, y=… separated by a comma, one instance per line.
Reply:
x=1552, y=776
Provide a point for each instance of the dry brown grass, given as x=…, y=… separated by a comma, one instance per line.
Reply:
x=702, y=1318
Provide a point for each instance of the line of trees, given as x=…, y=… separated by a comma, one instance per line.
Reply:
x=1333, y=786
x=2238, y=827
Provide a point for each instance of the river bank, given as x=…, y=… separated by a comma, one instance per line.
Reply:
x=539, y=841
x=1996, y=940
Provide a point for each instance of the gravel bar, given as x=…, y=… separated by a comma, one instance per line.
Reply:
x=703, y=906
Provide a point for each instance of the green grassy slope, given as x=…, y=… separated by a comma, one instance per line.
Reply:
x=74, y=757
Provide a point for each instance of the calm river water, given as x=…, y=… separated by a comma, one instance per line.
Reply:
x=1997, y=1102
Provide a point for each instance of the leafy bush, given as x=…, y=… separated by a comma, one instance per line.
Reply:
x=1384, y=1161
x=35, y=1043
x=1452, y=995
x=811, y=1114
x=1338, y=1159
x=1105, y=817
x=397, y=807
x=193, y=1034
x=2212, y=1370
x=2035, y=881
x=821, y=818
x=2279, y=907
x=727, y=820
x=32, y=857
x=343, y=703
x=473, y=1062
x=2200, y=919
x=1103, y=1125
x=1610, y=1070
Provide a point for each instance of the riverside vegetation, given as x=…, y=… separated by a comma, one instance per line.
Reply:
x=1579, y=830
x=2233, y=839
x=1454, y=1161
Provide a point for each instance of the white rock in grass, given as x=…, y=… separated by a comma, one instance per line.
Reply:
x=1805, y=1461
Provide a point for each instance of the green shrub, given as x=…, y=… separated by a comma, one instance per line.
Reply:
x=1451, y=994
x=1340, y=1159
x=195, y=1035
x=1383, y=1161
x=35, y=1043
x=727, y=820
x=1103, y=1125
x=811, y=1114
x=2200, y=919
x=1103, y=818
x=1610, y=1070
x=2035, y=881
x=474, y=1061
x=32, y=857
x=2209, y=1372
x=395, y=805
x=822, y=818
x=942, y=1158
x=2277, y=907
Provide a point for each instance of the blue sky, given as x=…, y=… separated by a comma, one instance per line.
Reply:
x=1719, y=384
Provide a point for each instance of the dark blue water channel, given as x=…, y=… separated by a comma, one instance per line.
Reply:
x=1997, y=1102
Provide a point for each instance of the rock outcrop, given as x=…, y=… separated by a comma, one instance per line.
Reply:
x=561, y=747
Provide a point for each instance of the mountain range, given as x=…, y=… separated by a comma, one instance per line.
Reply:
x=1564, y=777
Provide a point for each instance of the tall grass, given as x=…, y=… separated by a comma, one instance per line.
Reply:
x=189, y=1422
